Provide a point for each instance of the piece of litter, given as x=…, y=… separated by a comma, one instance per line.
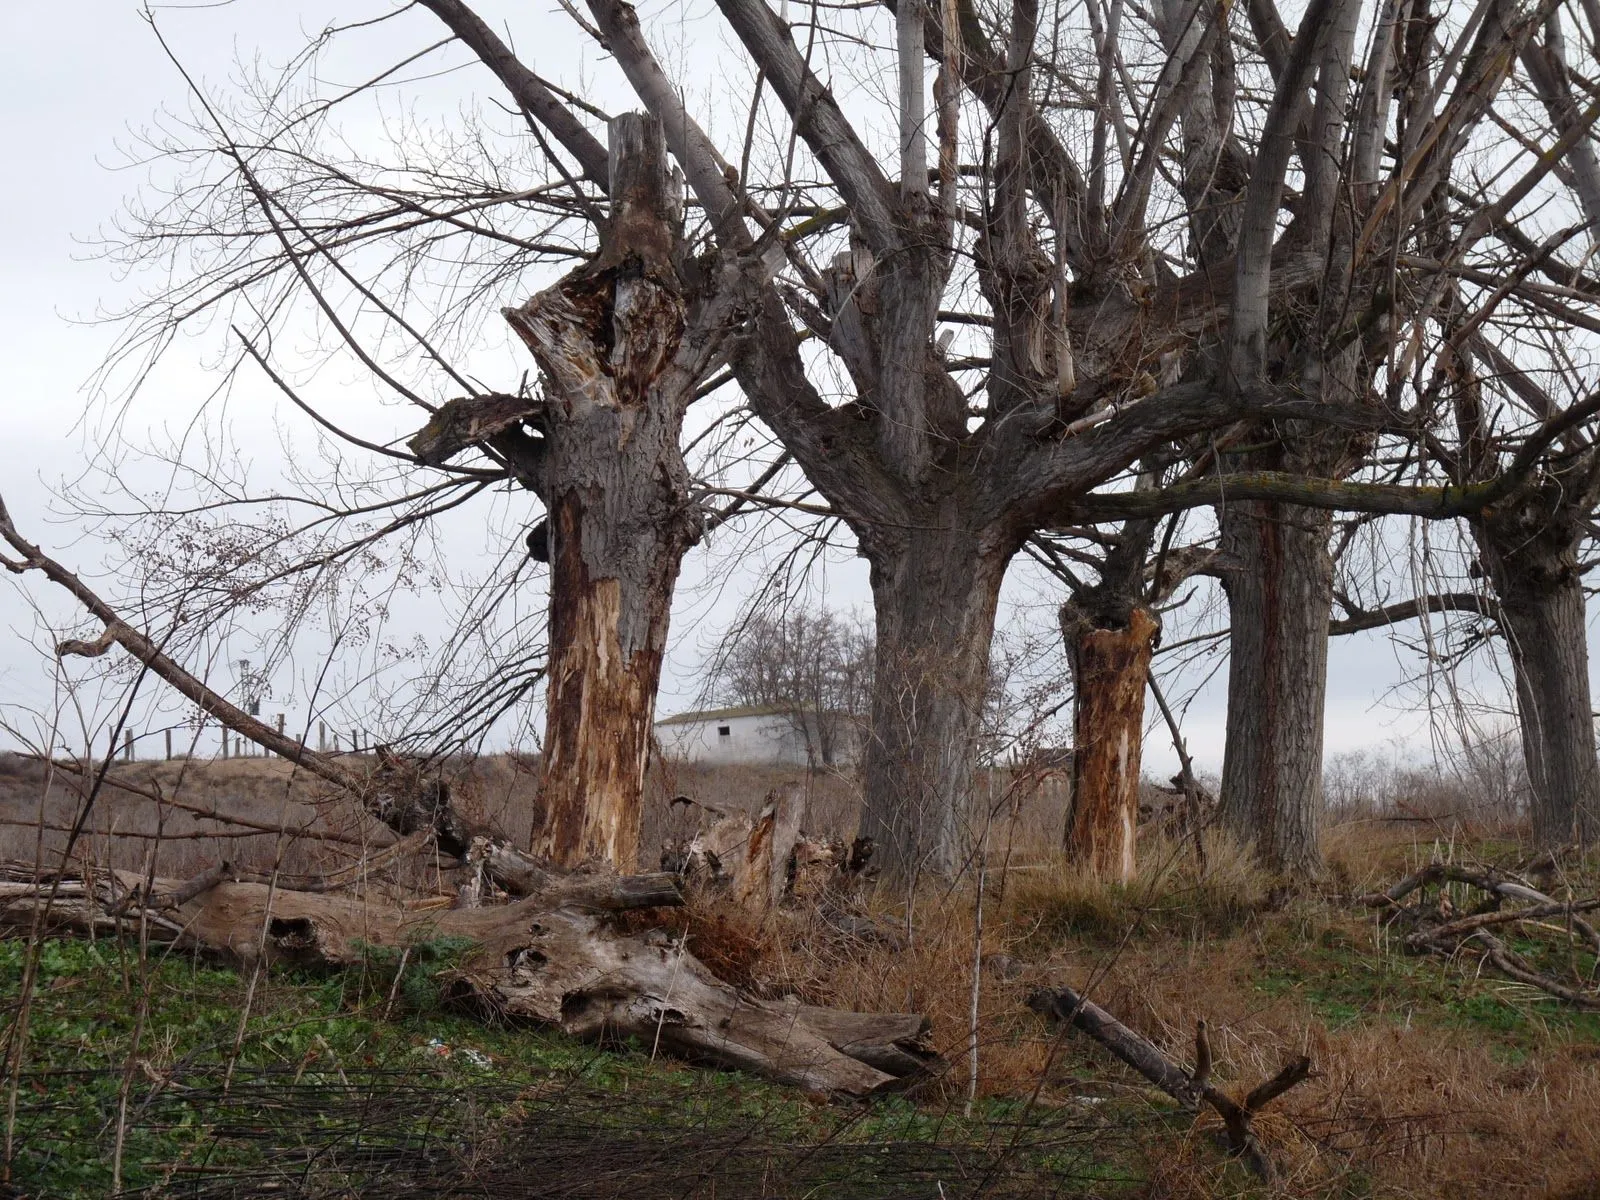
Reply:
x=439, y=1048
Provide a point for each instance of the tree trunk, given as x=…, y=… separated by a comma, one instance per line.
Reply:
x=1530, y=551
x=1110, y=669
x=1279, y=579
x=616, y=488
x=934, y=595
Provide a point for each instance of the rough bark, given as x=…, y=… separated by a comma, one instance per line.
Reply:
x=1529, y=550
x=551, y=958
x=1110, y=669
x=1278, y=576
x=606, y=338
x=934, y=596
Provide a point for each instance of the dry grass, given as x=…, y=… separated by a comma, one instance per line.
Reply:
x=1430, y=1082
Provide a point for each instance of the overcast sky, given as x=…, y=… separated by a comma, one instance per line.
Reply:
x=77, y=78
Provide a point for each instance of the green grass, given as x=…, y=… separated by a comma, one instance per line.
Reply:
x=343, y=1071
x=311, y=1030
x=1345, y=979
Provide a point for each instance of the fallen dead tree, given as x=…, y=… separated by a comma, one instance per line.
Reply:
x=1190, y=1088
x=551, y=957
x=1433, y=923
x=550, y=954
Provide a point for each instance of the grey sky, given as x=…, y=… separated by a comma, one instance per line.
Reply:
x=77, y=77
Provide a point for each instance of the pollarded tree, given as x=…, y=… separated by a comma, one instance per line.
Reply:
x=282, y=225
x=1369, y=174
x=939, y=494
x=964, y=333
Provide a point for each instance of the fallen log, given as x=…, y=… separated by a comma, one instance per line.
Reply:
x=550, y=957
x=1188, y=1088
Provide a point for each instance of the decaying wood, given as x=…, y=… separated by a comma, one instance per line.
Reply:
x=550, y=957
x=622, y=343
x=1188, y=1088
x=469, y=421
x=760, y=862
x=1435, y=925
x=1110, y=668
x=749, y=861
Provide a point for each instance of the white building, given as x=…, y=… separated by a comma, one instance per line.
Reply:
x=760, y=736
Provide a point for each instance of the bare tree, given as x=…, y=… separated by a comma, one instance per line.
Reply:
x=1063, y=264
x=814, y=665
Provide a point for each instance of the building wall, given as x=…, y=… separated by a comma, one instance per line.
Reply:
x=767, y=740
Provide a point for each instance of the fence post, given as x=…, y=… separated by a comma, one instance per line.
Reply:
x=168, y=732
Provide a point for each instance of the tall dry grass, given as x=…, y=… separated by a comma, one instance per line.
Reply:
x=1419, y=1091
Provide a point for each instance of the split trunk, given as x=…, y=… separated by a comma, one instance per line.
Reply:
x=608, y=339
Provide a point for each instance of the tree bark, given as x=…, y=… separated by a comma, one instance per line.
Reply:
x=934, y=596
x=1278, y=576
x=606, y=338
x=1530, y=552
x=1110, y=670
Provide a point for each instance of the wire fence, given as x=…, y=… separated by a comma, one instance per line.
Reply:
x=281, y=1132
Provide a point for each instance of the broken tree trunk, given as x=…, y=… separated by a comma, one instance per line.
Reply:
x=749, y=862
x=620, y=356
x=550, y=957
x=1110, y=669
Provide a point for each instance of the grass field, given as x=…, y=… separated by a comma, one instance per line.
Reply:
x=1432, y=1079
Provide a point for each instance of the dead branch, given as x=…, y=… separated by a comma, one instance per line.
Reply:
x=398, y=797
x=1188, y=1088
x=1435, y=927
